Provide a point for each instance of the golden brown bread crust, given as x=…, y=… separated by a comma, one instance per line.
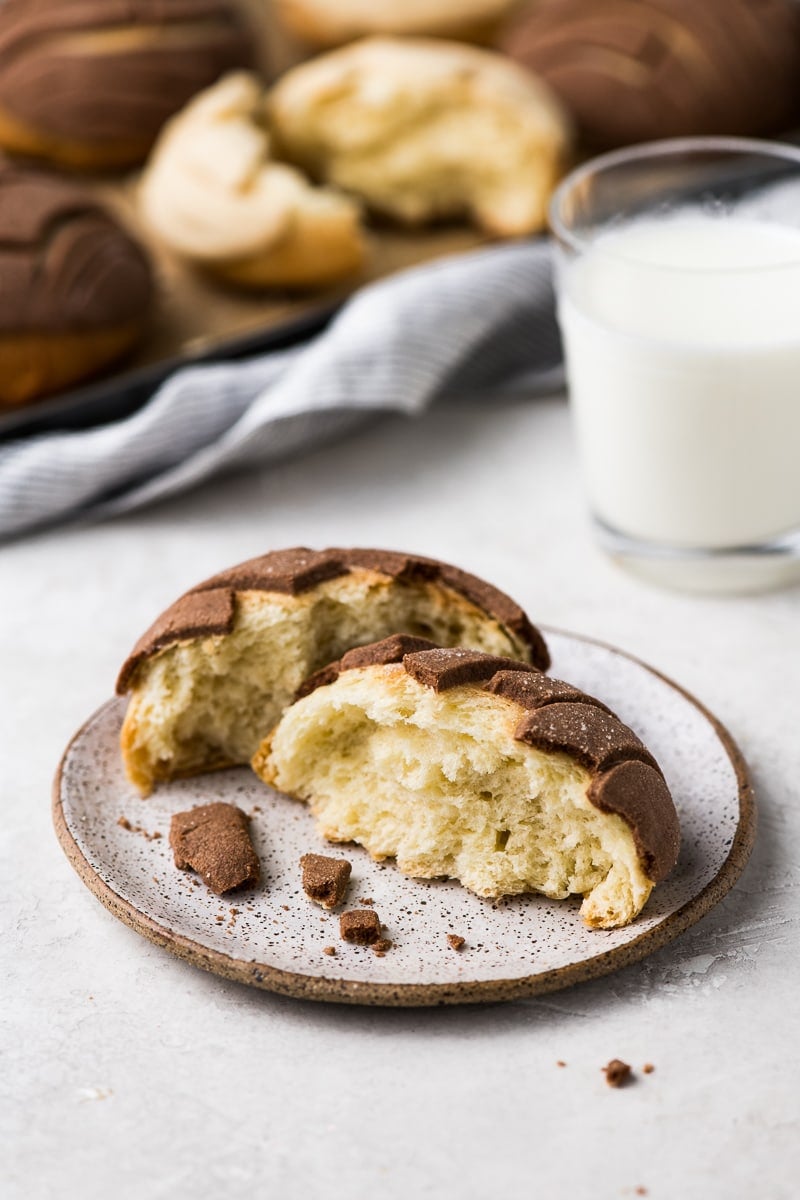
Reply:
x=33, y=365
x=637, y=70
x=333, y=22
x=90, y=84
x=555, y=717
x=209, y=607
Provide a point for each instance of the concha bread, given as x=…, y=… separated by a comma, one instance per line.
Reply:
x=638, y=70
x=213, y=194
x=214, y=672
x=89, y=83
x=421, y=129
x=332, y=22
x=461, y=764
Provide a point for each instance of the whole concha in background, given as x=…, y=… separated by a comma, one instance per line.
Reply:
x=332, y=22
x=90, y=84
x=75, y=288
x=422, y=129
x=636, y=71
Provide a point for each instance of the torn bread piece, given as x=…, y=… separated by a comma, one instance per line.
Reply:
x=459, y=764
x=214, y=194
x=212, y=675
x=422, y=129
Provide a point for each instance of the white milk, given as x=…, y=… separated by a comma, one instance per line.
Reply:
x=683, y=355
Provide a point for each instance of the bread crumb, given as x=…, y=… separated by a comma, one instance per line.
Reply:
x=360, y=926
x=455, y=941
x=641, y=1191
x=367, y=900
x=560, y=1063
x=381, y=946
x=331, y=950
x=124, y=823
x=618, y=1073
x=648, y=1069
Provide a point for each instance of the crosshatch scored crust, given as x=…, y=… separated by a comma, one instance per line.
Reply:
x=214, y=672
x=692, y=904
x=398, y=799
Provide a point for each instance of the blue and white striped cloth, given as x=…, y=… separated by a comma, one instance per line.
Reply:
x=479, y=322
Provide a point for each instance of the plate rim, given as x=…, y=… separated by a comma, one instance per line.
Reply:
x=417, y=995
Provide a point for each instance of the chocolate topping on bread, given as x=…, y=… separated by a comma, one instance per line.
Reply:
x=442, y=669
x=631, y=72
x=65, y=264
x=104, y=75
x=556, y=717
x=299, y=570
x=637, y=793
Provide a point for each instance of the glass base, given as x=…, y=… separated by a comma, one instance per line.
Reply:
x=735, y=569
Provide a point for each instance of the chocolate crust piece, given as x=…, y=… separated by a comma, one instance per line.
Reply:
x=325, y=879
x=214, y=840
x=556, y=717
x=361, y=926
x=298, y=570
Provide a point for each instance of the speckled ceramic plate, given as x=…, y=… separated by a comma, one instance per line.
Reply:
x=272, y=937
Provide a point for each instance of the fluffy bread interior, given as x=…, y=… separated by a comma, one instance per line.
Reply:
x=208, y=702
x=438, y=782
x=422, y=130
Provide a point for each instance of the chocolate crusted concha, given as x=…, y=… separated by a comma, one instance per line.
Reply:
x=75, y=288
x=465, y=765
x=214, y=672
x=632, y=72
x=90, y=83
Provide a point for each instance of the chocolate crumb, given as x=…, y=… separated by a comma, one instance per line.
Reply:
x=381, y=946
x=618, y=1073
x=366, y=900
x=325, y=879
x=455, y=941
x=360, y=926
x=648, y=1069
x=641, y=1191
x=285, y=907
x=329, y=950
x=125, y=823
x=155, y=836
x=560, y=1063
x=214, y=840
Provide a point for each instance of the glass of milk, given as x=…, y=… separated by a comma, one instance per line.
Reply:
x=678, y=270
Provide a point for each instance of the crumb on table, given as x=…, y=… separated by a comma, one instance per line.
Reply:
x=618, y=1073
x=455, y=941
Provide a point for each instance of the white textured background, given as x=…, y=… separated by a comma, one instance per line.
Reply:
x=125, y=1073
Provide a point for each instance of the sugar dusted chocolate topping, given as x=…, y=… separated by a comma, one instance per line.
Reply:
x=638, y=794
x=596, y=739
x=214, y=840
x=65, y=264
x=361, y=926
x=298, y=570
x=325, y=879
x=556, y=717
x=392, y=649
x=442, y=669
x=102, y=72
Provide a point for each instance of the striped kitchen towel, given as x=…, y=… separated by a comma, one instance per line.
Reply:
x=473, y=324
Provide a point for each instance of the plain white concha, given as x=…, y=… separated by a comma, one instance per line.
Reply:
x=422, y=129
x=214, y=194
